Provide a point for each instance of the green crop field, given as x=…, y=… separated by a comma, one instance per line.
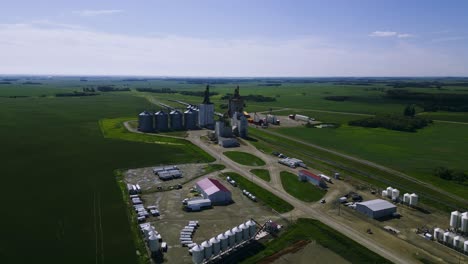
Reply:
x=304, y=191
x=313, y=230
x=262, y=195
x=63, y=204
x=244, y=158
x=262, y=174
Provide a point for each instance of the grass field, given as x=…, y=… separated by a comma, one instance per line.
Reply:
x=61, y=168
x=262, y=195
x=262, y=174
x=310, y=230
x=244, y=158
x=304, y=191
x=330, y=163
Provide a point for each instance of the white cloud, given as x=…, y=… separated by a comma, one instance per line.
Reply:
x=387, y=34
x=31, y=49
x=383, y=34
x=89, y=13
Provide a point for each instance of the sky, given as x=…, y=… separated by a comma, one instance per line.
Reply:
x=235, y=38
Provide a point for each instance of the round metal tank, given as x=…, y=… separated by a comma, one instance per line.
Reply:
x=458, y=242
x=448, y=237
x=252, y=228
x=455, y=219
x=198, y=254
x=208, y=249
x=384, y=193
x=216, y=245
x=465, y=246
x=190, y=120
x=231, y=238
x=389, y=192
x=224, y=243
x=153, y=243
x=464, y=223
x=145, y=122
x=176, y=119
x=406, y=198
x=395, y=194
x=413, y=199
x=438, y=234
x=161, y=121
x=245, y=231
x=238, y=233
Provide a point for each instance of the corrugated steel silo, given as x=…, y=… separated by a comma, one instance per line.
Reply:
x=231, y=238
x=153, y=243
x=238, y=234
x=438, y=234
x=198, y=254
x=395, y=194
x=190, y=119
x=413, y=199
x=406, y=198
x=455, y=219
x=208, y=248
x=223, y=241
x=465, y=246
x=464, y=222
x=216, y=245
x=245, y=231
x=458, y=242
x=252, y=228
x=161, y=119
x=176, y=120
x=145, y=122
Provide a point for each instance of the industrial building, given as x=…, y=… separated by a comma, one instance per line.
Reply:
x=206, y=111
x=377, y=208
x=212, y=189
x=304, y=175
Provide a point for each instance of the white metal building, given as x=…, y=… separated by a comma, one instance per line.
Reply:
x=377, y=208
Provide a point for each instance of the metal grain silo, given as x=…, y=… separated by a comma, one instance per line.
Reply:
x=413, y=199
x=465, y=246
x=458, y=242
x=190, y=120
x=238, y=234
x=145, y=122
x=198, y=254
x=395, y=194
x=252, y=227
x=455, y=219
x=153, y=243
x=208, y=249
x=448, y=238
x=231, y=238
x=176, y=119
x=389, y=192
x=464, y=222
x=216, y=245
x=384, y=193
x=245, y=231
x=438, y=234
x=223, y=241
x=161, y=119
x=406, y=198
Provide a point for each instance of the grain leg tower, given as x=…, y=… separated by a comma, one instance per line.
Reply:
x=206, y=111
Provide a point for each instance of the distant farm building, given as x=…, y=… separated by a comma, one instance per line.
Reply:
x=212, y=189
x=377, y=208
x=304, y=175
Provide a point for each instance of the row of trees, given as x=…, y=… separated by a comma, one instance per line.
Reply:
x=432, y=101
x=393, y=122
x=451, y=175
x=252, y=97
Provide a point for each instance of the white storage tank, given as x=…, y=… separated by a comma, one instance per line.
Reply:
x=153, y=243
x=208, y=248
x=224, y=243
x=458, y=242
x=395, y=194
x=438, y=234
x=406, y=198
x=384, y=193
x=389, y=192
x=455, y=219
x=464, y=222
x=448, y=238
x=465, y=247
x=231, y=238
x=216, y=245
x=238, y=234
x=413, y=199
x=245, y=231
x=198, y=254
x=252, y=228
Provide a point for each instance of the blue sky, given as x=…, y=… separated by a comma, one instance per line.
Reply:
x=235, y=38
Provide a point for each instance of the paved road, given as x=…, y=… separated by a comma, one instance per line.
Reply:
x=371, y=164
x=360, y=237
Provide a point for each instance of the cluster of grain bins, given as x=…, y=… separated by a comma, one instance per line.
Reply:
x=250, y=195
x=148, y=122
x=167, y=173
x=186, y=234
x=292, y=162
x=153, y=239
x=459, y=221
x=222, y=244
x=133, y=188
x=454, y=236
x=394, y=194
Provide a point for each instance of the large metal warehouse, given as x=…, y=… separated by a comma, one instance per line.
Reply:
x=212, y=189
x=377, y=208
